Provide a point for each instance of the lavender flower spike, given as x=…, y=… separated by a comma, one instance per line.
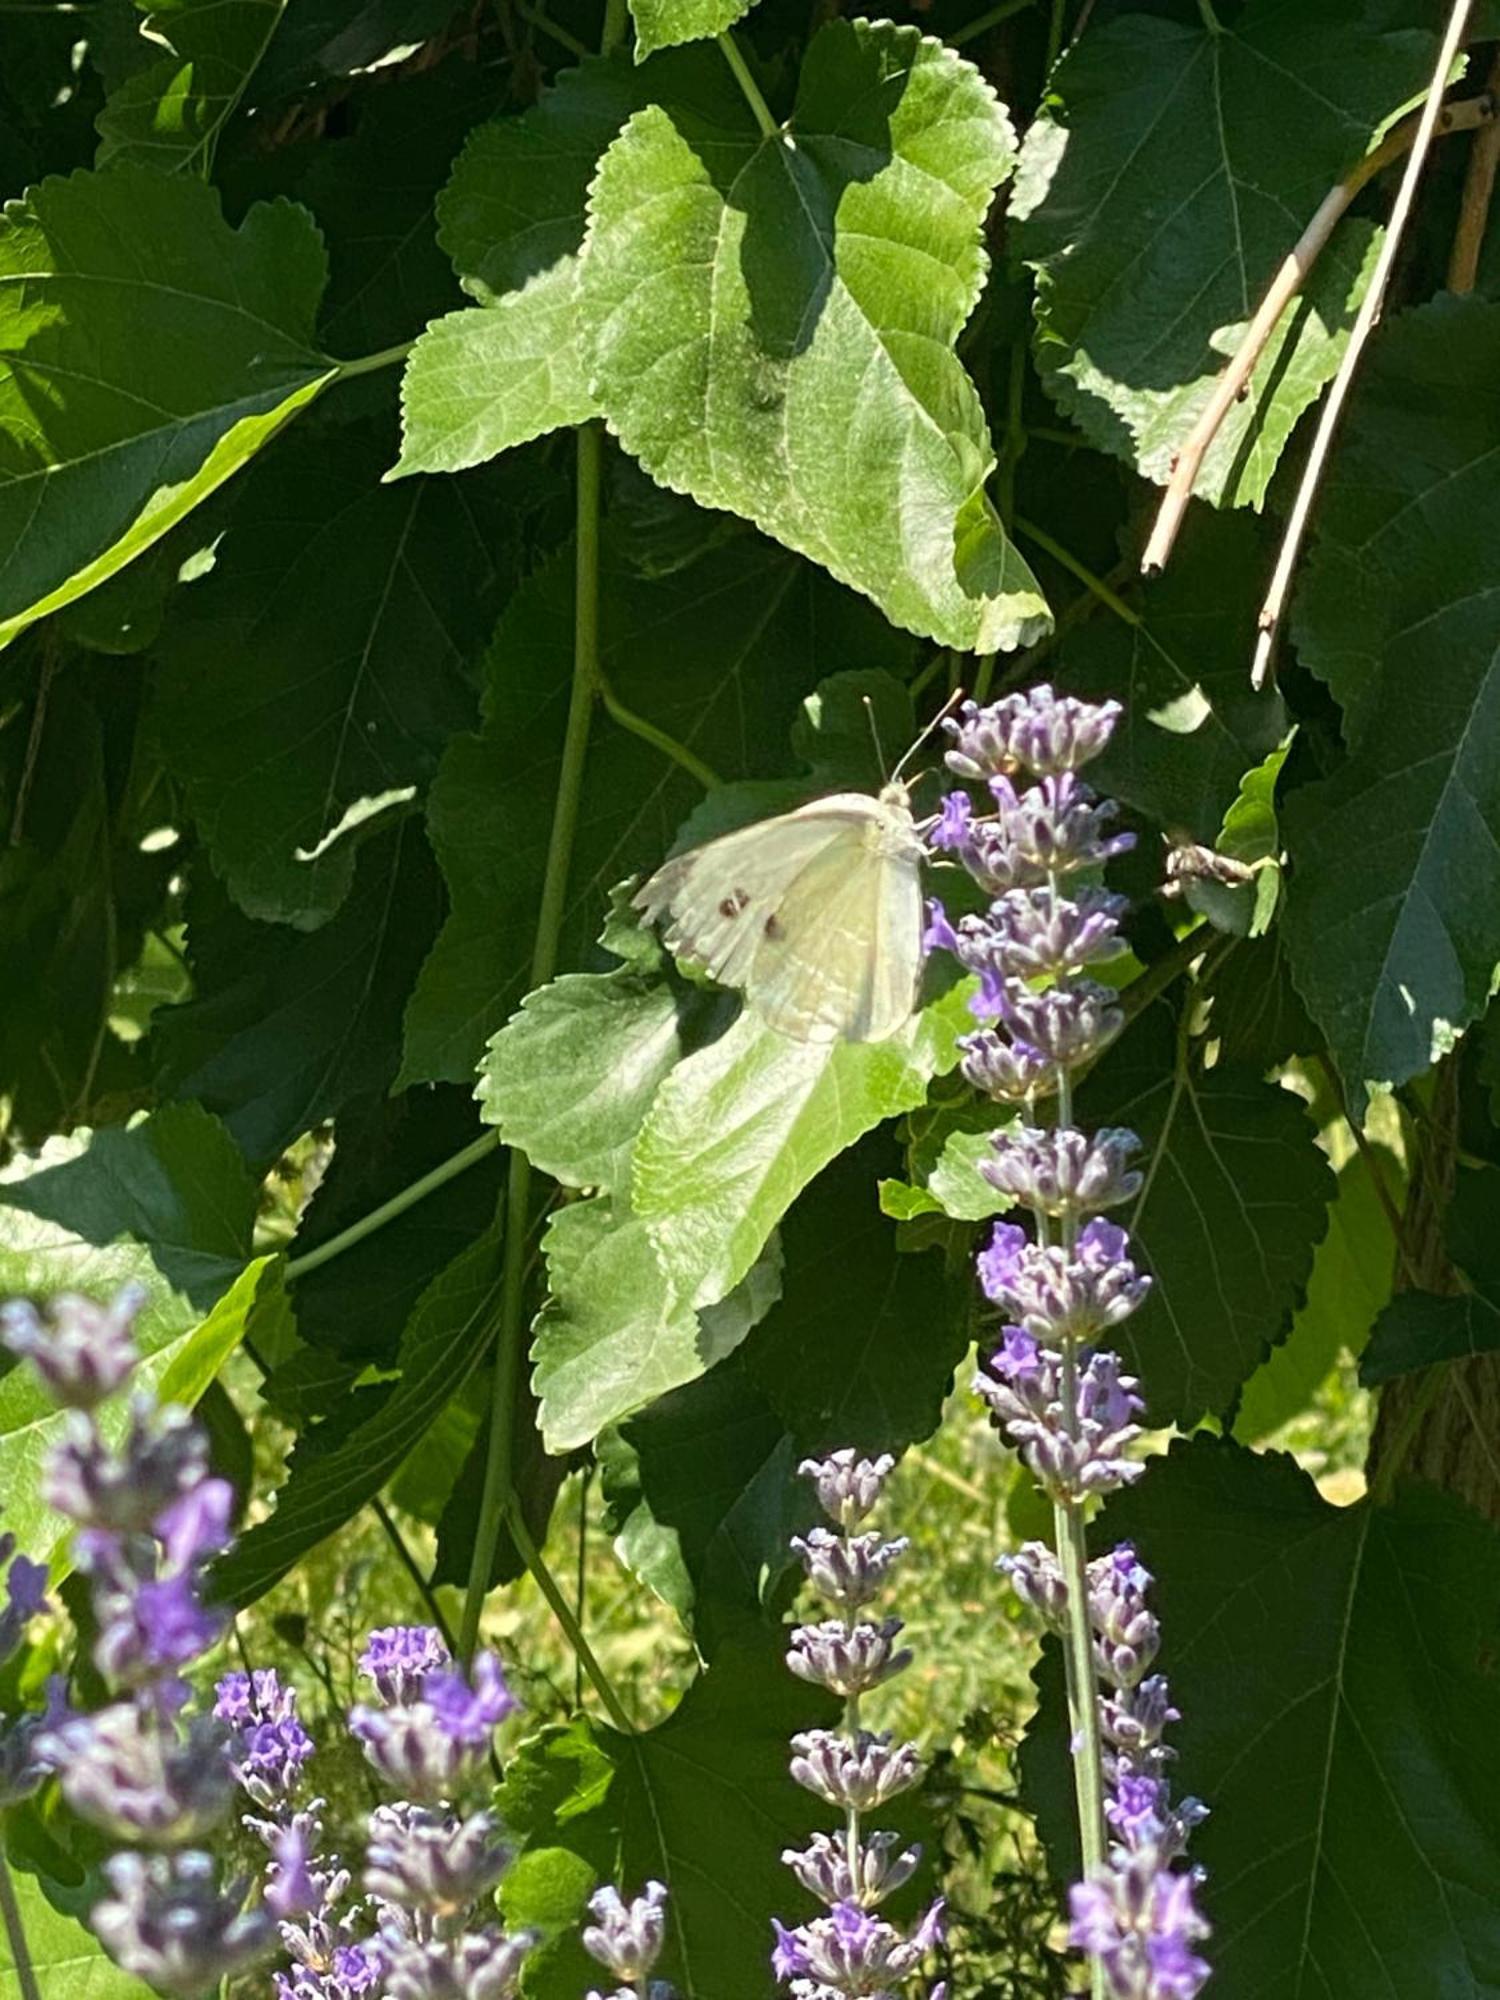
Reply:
x=626, y=1938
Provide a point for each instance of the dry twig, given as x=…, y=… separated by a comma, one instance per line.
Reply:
x=1233, y=384
x=1369, y=311
x=1479, y=186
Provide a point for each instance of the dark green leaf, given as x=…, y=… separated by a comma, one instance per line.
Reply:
x=717, y=655
x=703, y=1801
x=446, y=1338
x=168, y=116
x=536, y=1478
x=703, y=1496
x=356, y=1305
x=150, y=353
x=779, y=341
x=286, y=1028
x=1353, y=1648
x=863, y=1346
x=1192, y=724
x=311, y=679
x=1160, y=192
x=1350, y=1282
x=320, y=41
x=1418, y=1329
x=1235, y=1203
x=1392, y=926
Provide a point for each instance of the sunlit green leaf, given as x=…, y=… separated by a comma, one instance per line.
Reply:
x=150, y=352
x=771, y=323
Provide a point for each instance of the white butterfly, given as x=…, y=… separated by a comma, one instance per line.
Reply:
x=816, y=914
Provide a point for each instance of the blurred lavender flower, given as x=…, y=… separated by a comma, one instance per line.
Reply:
x=849, y=1950
x=426, y=1858
x=168, y=1923
x=1065, y=1402
x=432, y=1737
x=81, y=1352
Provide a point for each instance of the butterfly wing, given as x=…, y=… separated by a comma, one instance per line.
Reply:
x=816, y=914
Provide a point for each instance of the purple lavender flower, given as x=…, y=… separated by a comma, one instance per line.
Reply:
x=1038, y=731
x=483, y=1965
x=398, y=1658
x=140, y=1775
x=428, y=1859
x=848, y=1660
x=268, y=1745
x=168, y=1922
x=24, y=1762
x=81, y=1352
x=1139, y=1920
x=847, y=1485
x=165, y=1455
x=627, y=1938
x=849, y=1570
x=860, y=1772
x=880, y=1867
x=431, y=1742
x=25, y=1595
x=1064, y=1172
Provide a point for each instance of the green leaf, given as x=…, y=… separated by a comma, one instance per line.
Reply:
x=1394, y=956
x=311, y=679
x=356, y=1305
x=570, y=1077
x=1192, y=725
x=779, y=340
x=285, y=1027
x=1353, y=1648
x=169, y=115
x=864, y=1344
x=703, y=1802
x=960, y=1189
x=167, y=1205
x=1160, y=192
x=704, y=1497
x=1350, y=1283
x=662, y=24
x=323, y=41
x=512, y=218
x=740, y=629
x=446, y=1338
x=740, y=1128
x=1258, y=1020
x=63, y=1960
x=150, y=353
x=1235, y=1203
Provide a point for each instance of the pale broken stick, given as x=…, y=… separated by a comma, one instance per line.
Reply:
x=1462, y=116
x=1369, y=311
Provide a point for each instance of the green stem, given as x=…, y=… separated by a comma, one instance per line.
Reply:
x=15, y=1931
x=616, y=21
x=1211, y=20
x=446, y=1170
x=562, y=1611
x=509, y=1342
x=564, y=37
x=747, y=83
x=413, y=1569
x=1394, y=1462
x=1092, y=583
x=1054, y=35
x=982, y=23
x=369, y=364
x=648, y=732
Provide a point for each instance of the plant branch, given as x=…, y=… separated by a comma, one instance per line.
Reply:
x=369, y=364
x=564, y=37
x=562, y=1611
x=15, y=1932
x=509, y=1341
x=445, y=1171
x=637, y=725
x=751, y=89
x=1479, y=188
x=1234, y=384
x=1095, y=585
x=1369, y=312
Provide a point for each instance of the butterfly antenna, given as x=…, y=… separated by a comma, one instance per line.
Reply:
x=875, y=736
x=930, y=728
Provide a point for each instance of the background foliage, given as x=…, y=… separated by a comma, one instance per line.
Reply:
x=434, y=443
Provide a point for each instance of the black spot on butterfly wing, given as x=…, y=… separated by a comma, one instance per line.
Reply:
x=775, y=930
x=733, y=903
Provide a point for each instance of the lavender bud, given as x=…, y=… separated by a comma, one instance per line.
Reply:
x=431, y=1860
x=847, y=1485
x=847, y=1659
x=481, y=1965
x=852, y=1951
x=861, y=1774
x=1035, y=934
x=268, y=1746
x=1127, y=1636
x=982, y=847
x=1068, y=1024
x=851, y=1570
x=626, y=1938
x=1037, y=1579
x=1057, y=1294
x=1051, y=829
x=1040, y=730
x=1140, y=1922
x=1063, y=1171
x=139, y=1776
x=429, y=1748
x=1006, y=1071
x=25, y=1596
x=883, y=1866
x=168, y=1924
x=398, y=1658
x=164, y=1455
x=1134, y=1718
x=23, y=1763
x=81, y=1351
